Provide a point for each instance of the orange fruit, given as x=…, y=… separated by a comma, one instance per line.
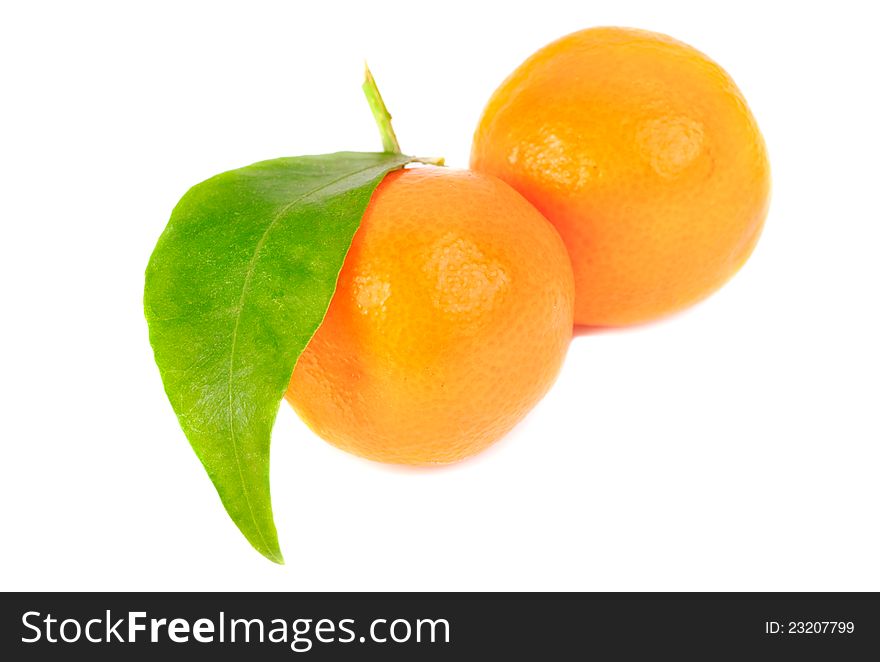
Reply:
x=451, y=318
x=644, y=155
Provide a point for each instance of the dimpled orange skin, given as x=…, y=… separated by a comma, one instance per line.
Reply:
x=451, y=318
x=644, y=155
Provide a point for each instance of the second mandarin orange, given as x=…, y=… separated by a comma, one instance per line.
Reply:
x=644, y=155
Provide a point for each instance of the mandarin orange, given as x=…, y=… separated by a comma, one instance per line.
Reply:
x=451, y=318
x=644, y=155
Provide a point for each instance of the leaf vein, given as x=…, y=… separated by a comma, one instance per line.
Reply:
x=238, y=313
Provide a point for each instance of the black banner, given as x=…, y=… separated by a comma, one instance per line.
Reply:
x=446, y=626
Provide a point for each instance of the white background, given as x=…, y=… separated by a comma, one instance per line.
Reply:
x=732, y=447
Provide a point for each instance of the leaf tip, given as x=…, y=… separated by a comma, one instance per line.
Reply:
x=272, y=553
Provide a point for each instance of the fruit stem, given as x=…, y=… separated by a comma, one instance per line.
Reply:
x=383, y=120
x=380, y=113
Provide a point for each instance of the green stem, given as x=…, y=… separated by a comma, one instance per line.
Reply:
x=380, y=113
x=383, y=120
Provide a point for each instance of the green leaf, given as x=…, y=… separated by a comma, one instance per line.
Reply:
x=238, y=283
